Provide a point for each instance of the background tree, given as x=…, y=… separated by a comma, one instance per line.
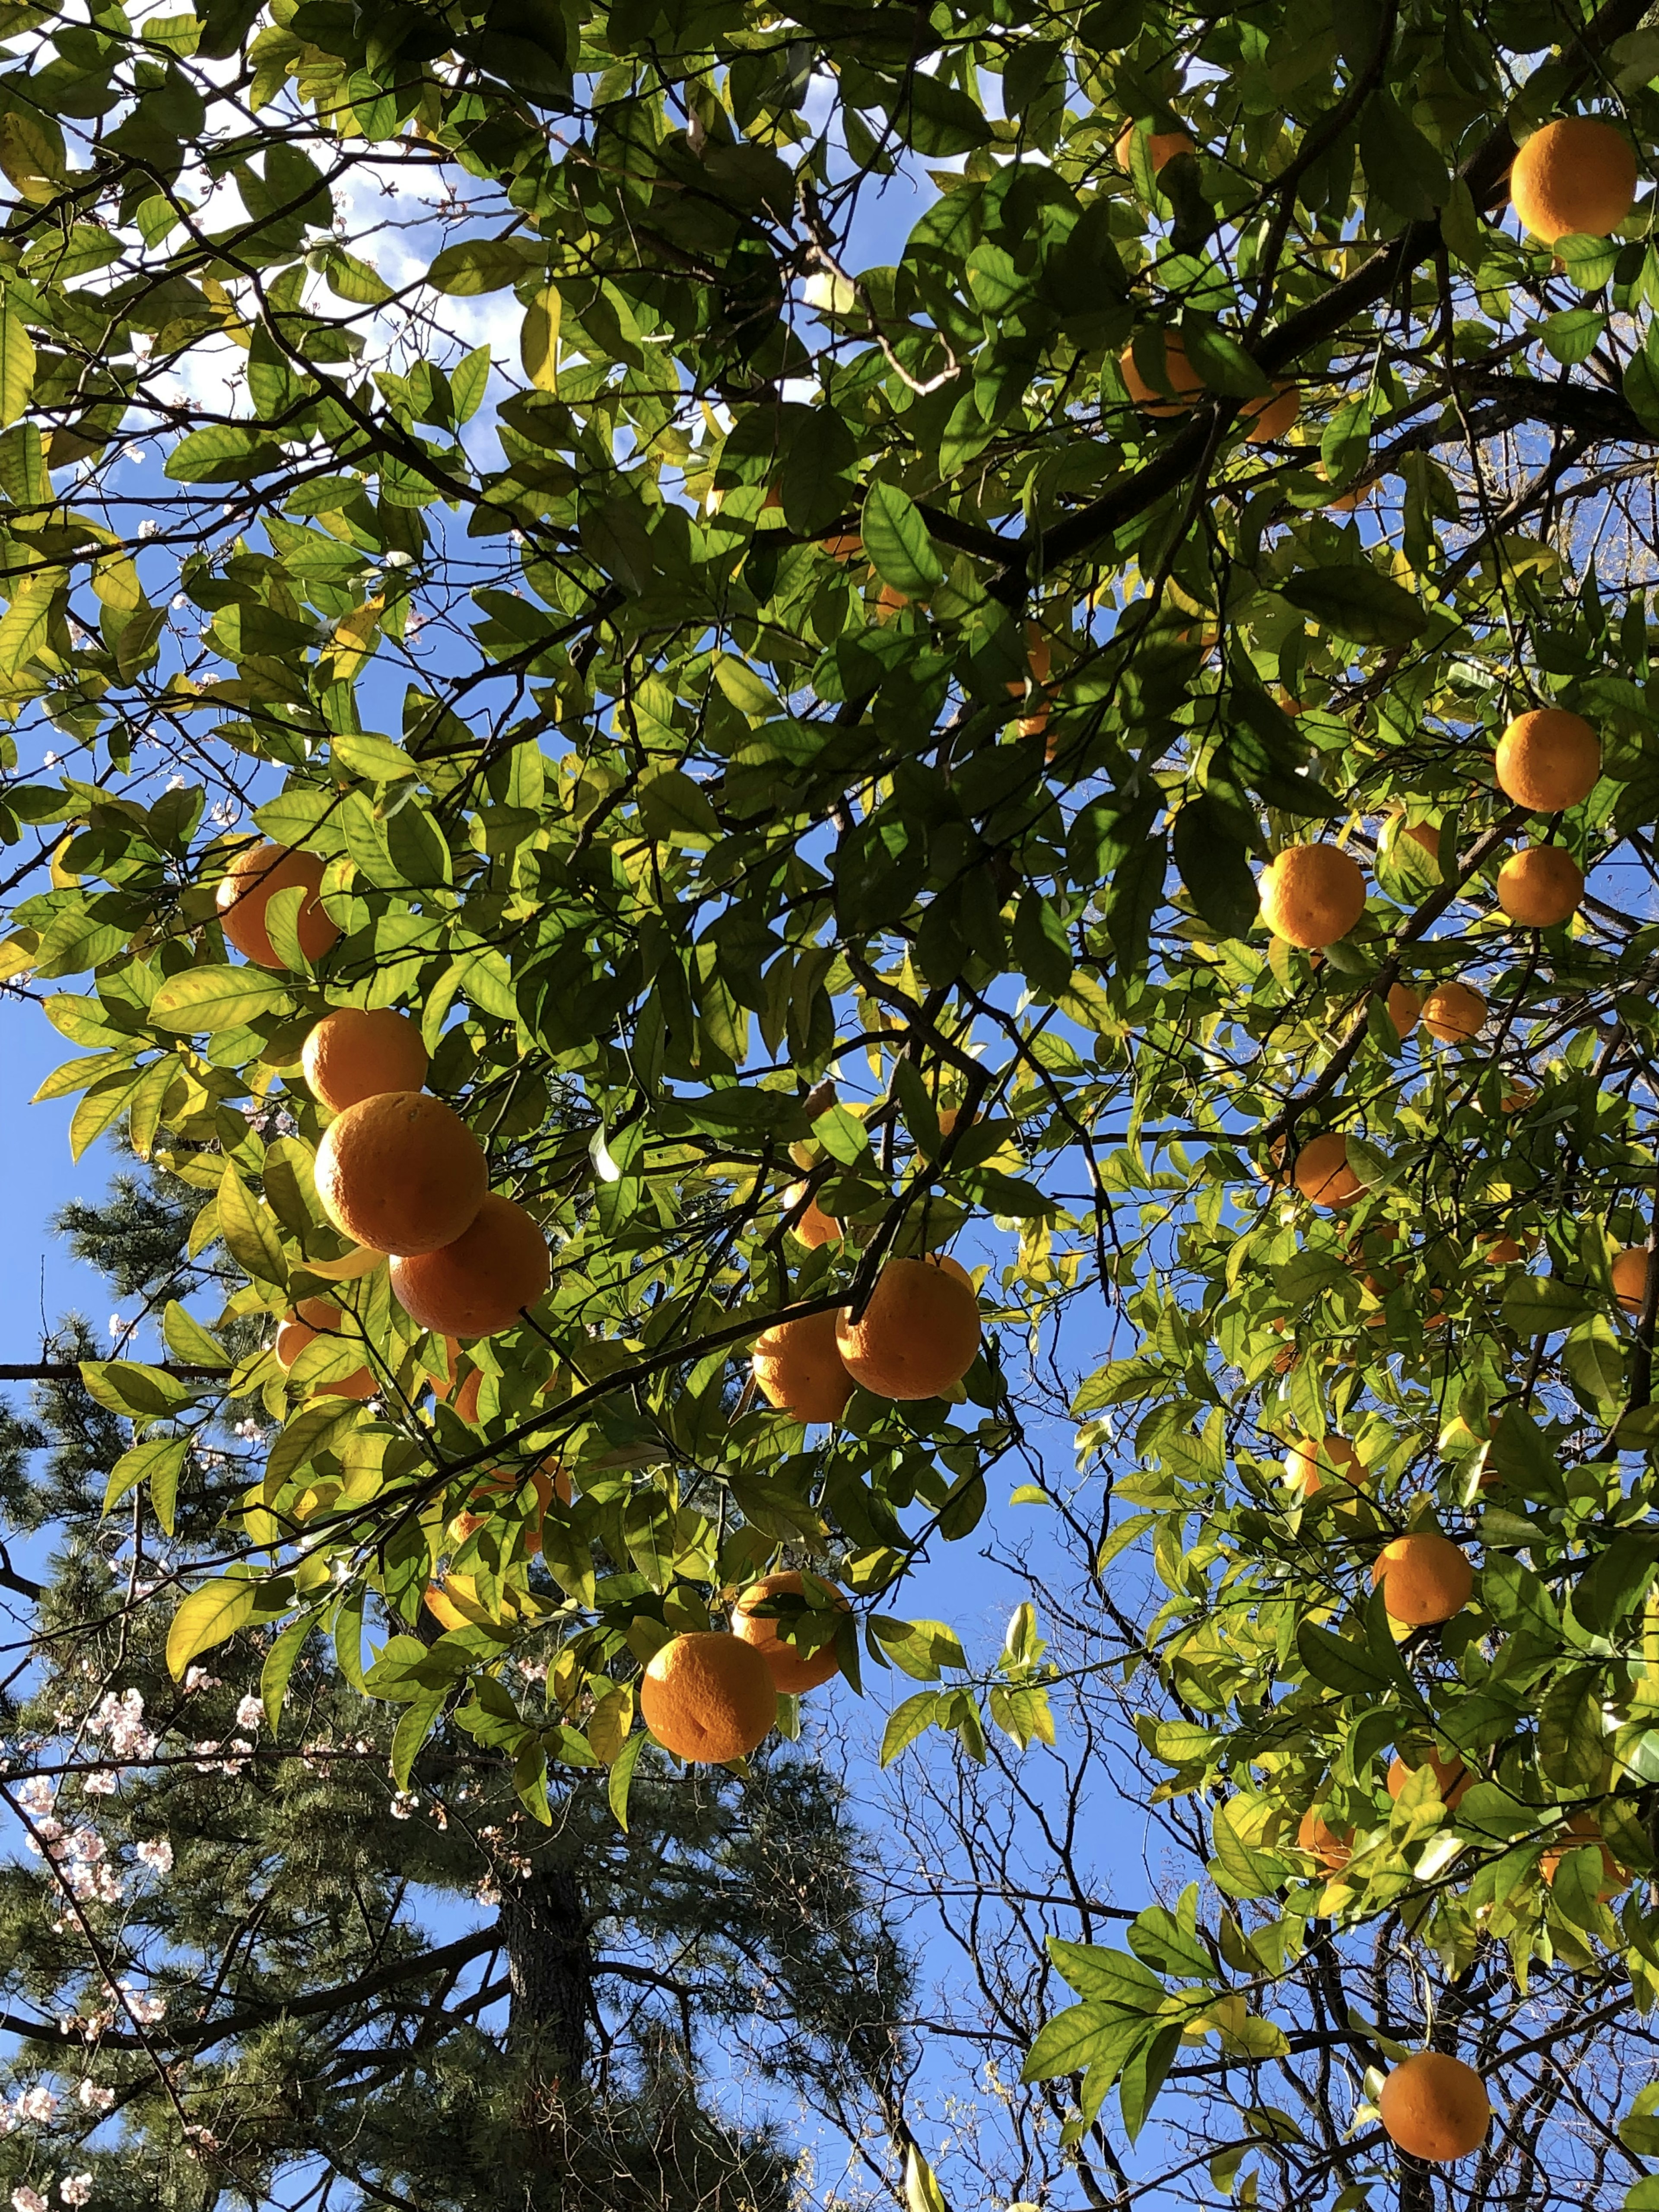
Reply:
x=243, y=1959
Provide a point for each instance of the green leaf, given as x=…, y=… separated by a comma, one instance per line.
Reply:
x=1538, y=1305
x=278, y=1671
x=189, y=1342
x=622, y=1774
x=212, y=1614
x=1221, y=360
x=207, y=1000
x=897, y=540
x=1340, y=1663
x=911, y=1720
x=673, y=807
x=1616, y=1583
x=125, y=1386
x=158, y=1462
x=482, y=264
x=1212, y=859
x=16, y=358
x=1641, y=385
x=224, y=452
x=249, y=1232
x=1356, y=602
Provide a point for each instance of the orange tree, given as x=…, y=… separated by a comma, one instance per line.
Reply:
x=722, y=663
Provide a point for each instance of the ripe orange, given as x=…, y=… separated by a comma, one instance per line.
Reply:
x=1540, y=886
x=1311, y=895
x=1332, y=1847
x=1270, y=418
x=355, y=1052
x=1424, y=1578
x=252, y=881
x=1322, y=1174
x=1513, y=1101
x=1577, y=174
x=1453, y=1013
x=1161, y=145
x=1547, y=760
x=496, y=1490
x=1451, y=1775
x=792, y=1670
x=466, y=1397
x=401, y=1171
x=1310, y=1465
x=1581, y=1829
x=1184, y=379
x=1503, y=1247
x=316, y=1317
x=709, y=1696
x=798, y=1366
x=479, y=1282
x=846, y=545
x=1405, y=1008
x=1630, y=1277
x=1039, y=660
x=918, y=1335
x=815, y=1226
x=1434, y=2106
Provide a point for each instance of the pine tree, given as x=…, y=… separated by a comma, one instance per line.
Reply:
x=241, y=1953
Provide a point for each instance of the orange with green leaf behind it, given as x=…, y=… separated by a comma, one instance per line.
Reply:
x=1311, y=895
x=480, y=1283
x=1332, y=1847
x=402, y=1172
x=918, y=1333
x=311, y=1318
x=1426, y=1579
x=1541, y=887
x=709, y=1698
x=357, y=1052
x=793, y=1669
x=251, y=880
x=1321, y=1172
x=1434, y=2106
x=1453, y=1013
x=1548, y=760
x=797, y=1367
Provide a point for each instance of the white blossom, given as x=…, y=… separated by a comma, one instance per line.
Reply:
x=403, y=1804
x=146, y=2009
x=250, y=1713
x=25, y=2199
x=198, y=1678
x=38, y=2105
x=156, y=1855
x=100, y=1785
x=95, y=2099
x=76, y=2188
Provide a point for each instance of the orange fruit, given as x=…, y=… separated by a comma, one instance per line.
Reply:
x=1344, y=502
x=1453, y=1013
x=466, y=1397
x=798, y=1366
x=252, y=881
x=1540, y=886
x=480, y=1283
x=1548, y=760
x=815, y=1226
x=1270, y=418
x=1311, y=895
x=846, y=545
x=496, y=1490
x=1503, y=1247
x=888, y=601
x=1450, y=1775
x=1310, y=1465
x=356, y=1052
x=458, y=1605
x=1161, y=145
x=1424, y=1578
x=1435, y=2107
x=1184, y=379
x=1630, y=1277
x=1581, y=1829
x=1513, y=1101
x=1332, y=1847
x=1575, y=175
x=709, y=1696
x=401, y=1171
x=1322, y=1174
x=1405, y=1008
x=919, y=1333
x=793, y=1670
x=315, y=1317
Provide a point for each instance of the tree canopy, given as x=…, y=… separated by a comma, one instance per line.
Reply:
x=797, y=729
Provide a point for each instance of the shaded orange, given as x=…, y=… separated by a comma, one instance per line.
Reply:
x=1310, y=1465
x=1433, y=2107
x=1322, y=1174
x=313, y=1318
x=1405, y=1008
x=1271, y=416
x=1630, y=1277
x=797, y=1367
x=498, y=1489
x=815, y=1226
x=1424, y=1578
x=1451, y=1777
x=1539, y=887
x=1453, y=1013
x=479, y=1282
x=1184, y=379
x=401, y=1171
x=1162, y=147
x=793, y=1670
x=1332, y=1847
x=356, y=1052
x=709, y=1696
x=1583, y=1828
x=1547, y=760
x=1311, y=895
x=252, y=881
x=1575, y=175
x=919, y=1333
